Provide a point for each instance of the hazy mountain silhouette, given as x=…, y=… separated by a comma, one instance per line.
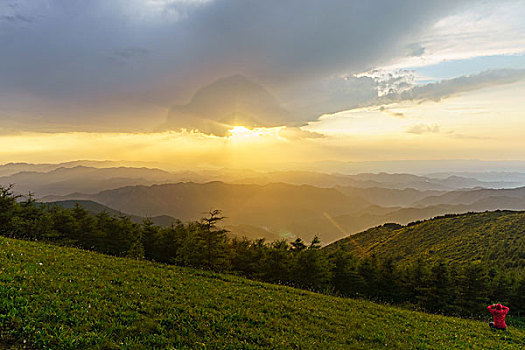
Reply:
x=285, y=210
x=13, y=168
x=271, y=204
x=475, y=195
x=240, y=231
x=270, y=207
x=95, y=208
x=49, y=179
x=95, y=176
x=84, y=179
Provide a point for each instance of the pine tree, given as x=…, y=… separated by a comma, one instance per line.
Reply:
x=150, y=240
x=473, y=289
x=388, y=281
x=215, y=240
x=311, y=267
x=517, y=298
x=345, y=278
x=136, y=250
x=418, y=287
x=368, y=271
x=439, y=291
x=85, y=226
x=7, y=207
x=276, y=264
x=298, y=245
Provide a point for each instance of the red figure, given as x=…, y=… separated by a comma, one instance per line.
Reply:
x=499, y=312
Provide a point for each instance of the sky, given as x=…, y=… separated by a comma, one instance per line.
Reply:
x=312, y=80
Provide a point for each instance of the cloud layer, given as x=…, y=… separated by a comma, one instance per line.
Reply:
x=450, y=87
x=70, y=60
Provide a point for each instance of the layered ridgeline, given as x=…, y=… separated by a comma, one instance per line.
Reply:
x=282, y=210
x=496, y=238
x=271, y=205
x=54, y=297
x=97, y=208
x=249, y=209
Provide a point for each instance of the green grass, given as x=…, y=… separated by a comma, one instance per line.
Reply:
x=64, y=298
x=497, y=237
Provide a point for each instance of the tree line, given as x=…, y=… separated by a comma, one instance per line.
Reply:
x=437, y=287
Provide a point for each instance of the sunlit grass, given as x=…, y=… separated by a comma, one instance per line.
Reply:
x=52, y=297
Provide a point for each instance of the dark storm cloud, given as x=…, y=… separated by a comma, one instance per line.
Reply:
x=61, y=57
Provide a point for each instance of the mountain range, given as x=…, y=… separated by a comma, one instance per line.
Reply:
x=287, y=210
x=279, y=204
x=92, y=177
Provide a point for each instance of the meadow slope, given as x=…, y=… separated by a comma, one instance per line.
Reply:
x=52, y=297
x=497, y=237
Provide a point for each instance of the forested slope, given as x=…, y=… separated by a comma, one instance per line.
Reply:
x=496, y=237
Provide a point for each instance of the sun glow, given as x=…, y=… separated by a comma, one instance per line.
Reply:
x=241, y=133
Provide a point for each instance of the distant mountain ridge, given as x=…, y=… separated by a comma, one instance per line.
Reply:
x=96, y=208
x=13, y=168
x=472, y=196
x=188, y=198
x=293, y=203
x=239, y=231
x=271, y=207
x=79, y=178
x=61, y=179
x=285, y=210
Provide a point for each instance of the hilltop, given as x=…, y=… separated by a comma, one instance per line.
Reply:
x=68, y=298
x=497, y=237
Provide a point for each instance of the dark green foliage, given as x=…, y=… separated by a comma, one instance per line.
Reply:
x=298, y=245
x=215, y=241
x=473, y=285
x=310, y=267
x=7, y=208
x=275, y=264
x=247, y=256
x=346, y=280
x=439, y=293
x=496, y=238
x=517, y=296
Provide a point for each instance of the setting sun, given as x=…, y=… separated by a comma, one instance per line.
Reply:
x=242, y=134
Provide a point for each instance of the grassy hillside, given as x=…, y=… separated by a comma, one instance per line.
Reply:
x=498, y=237
x=69, y=299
